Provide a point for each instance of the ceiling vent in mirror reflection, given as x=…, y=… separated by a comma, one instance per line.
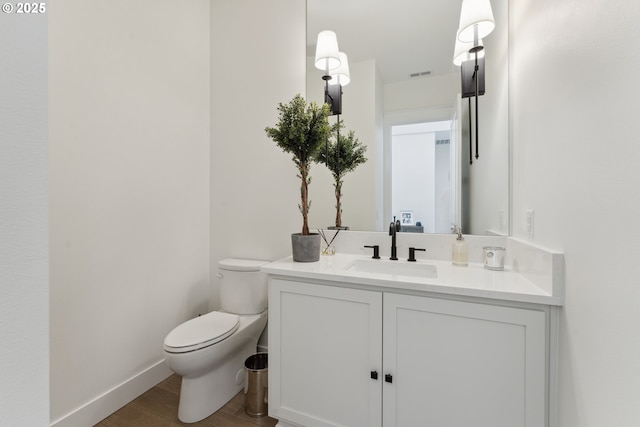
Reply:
x=420, y=74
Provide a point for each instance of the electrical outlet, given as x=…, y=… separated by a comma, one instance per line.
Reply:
x=529, y=222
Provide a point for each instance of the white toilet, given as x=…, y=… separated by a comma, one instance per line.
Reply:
x=209, y=351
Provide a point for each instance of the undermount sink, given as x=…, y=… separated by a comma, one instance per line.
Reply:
x=400, y=268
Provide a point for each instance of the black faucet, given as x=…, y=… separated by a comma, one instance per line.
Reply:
x=376, y=251
x=412, y=254
x=394, y=227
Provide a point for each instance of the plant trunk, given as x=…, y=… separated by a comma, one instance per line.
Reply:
x=304, y=194
x=338, y=188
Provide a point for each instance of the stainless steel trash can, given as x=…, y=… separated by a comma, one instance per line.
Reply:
x=255, y=397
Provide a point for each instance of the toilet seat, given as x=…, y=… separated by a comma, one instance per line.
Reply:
x=201, y=332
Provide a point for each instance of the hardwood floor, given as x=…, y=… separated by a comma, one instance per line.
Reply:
x=158, y=407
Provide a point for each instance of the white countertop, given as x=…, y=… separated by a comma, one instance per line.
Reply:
x=473, y=280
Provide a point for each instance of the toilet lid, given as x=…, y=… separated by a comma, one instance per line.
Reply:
x=201, y=331
x=236, y=264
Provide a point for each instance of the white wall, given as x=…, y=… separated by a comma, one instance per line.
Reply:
x=422, y=93
x=575, y=162
x=140, y=156
x=258, y=60
x=24, y=288
x=362, y=103
x=129, y=88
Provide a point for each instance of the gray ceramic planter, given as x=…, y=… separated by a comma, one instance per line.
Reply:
x=305, y=248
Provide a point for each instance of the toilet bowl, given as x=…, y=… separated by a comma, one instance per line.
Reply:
x=209, y=351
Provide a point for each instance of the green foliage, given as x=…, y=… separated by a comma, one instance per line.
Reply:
x=301, y=131
x=343, y=157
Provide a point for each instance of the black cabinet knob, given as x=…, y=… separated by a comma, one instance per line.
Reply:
x=388, y=378
x=374, y=375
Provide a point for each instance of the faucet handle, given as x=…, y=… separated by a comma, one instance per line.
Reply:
x=412, y=253
x=395, y=226
x=376, y=251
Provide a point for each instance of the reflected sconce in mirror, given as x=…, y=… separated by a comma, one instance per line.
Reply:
x=339, y=78
x=476, y=22
x=328, y=60
x=335, y=76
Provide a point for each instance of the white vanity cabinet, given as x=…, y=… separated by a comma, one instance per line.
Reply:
x=324, y=342
x=342, y=356
x=456, y=363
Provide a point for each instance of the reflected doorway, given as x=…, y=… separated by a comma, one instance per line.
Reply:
x=422, y=177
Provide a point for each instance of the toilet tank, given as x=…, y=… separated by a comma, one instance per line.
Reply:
x=243, y=287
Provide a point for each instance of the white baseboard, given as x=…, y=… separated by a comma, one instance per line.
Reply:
x=106, y=404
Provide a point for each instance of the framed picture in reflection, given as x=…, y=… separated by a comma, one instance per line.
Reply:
x=406, y=217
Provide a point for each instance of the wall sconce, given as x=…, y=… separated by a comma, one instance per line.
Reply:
x=476, y=22
x=328, y=60
x=327, y=53
x=461, y=52
x=339, y=78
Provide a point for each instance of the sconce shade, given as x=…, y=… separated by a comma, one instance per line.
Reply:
x=341, y=74
x=462, y=54
x=327, y=54
x=475, y=12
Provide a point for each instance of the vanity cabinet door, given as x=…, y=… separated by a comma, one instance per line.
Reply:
x=325, y=348
x=463, y=364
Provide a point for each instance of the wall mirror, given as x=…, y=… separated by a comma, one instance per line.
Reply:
x=405, y=88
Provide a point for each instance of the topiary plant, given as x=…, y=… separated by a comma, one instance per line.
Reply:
x=301, y=131
x=341, y=156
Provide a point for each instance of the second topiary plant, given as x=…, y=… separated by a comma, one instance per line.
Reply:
x=341, y=155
